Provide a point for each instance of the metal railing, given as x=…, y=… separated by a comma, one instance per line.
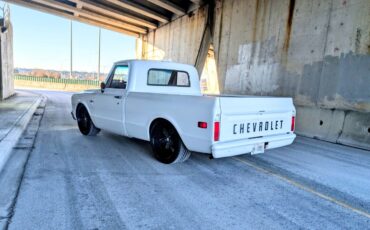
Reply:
x=56, y=80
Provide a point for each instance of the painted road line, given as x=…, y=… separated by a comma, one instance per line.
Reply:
x=305, y=188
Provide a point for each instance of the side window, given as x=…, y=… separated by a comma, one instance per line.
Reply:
x=164, y=77
x=119, y=77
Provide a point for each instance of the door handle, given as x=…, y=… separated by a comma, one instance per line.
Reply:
x=118, y=97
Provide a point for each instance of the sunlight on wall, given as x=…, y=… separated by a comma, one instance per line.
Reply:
x=154, y=53
x=209, y=78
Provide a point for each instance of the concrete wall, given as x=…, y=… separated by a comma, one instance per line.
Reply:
x=177, y=41
x=316, y=51
x=6, y=55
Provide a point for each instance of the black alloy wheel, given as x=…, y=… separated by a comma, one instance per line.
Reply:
x=85, y=123
x=167, y=145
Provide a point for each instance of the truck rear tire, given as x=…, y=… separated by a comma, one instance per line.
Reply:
x=85, y=124
x=167, y=145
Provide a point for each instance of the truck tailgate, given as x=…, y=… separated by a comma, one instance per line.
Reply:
x=253, y=117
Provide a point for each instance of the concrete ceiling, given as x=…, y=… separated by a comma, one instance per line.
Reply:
x=131, y=17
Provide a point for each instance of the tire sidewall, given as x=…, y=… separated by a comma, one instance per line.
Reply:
x=89, y=130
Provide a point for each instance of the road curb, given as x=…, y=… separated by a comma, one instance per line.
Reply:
x=13, y=136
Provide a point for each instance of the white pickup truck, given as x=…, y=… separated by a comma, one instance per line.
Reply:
x=161, y=102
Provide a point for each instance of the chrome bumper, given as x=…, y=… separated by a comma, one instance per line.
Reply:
x=233, y=148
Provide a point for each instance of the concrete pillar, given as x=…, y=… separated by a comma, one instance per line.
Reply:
x=6, y=58
x=203, y=50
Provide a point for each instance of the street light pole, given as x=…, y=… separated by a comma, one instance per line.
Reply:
x=99, y=55
x=70, y=71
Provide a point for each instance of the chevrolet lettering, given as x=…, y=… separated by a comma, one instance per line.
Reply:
x=257, y=126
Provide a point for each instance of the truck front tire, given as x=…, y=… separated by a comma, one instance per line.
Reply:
x=85, y=124
x=167, y=145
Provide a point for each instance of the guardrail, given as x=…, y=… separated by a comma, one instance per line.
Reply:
x=54, y=80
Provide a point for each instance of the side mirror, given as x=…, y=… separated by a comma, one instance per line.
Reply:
x=102, y=87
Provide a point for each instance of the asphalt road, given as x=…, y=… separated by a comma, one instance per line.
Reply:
x=112, y=182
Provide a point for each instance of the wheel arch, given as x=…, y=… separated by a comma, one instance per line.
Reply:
x=81, y=103
x=172, y=123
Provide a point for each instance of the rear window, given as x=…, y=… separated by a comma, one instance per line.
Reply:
x=165, y=77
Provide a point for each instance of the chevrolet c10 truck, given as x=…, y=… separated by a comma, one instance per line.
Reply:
x=161, y=102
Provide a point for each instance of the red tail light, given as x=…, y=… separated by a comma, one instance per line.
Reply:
x=216, y=134
x=202, y=124
x=293, y=124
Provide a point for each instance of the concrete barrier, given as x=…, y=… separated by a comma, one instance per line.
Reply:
x=339, y=126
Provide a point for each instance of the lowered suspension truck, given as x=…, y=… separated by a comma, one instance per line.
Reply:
x=161, y=102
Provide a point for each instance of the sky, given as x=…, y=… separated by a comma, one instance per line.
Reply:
x=43, y=41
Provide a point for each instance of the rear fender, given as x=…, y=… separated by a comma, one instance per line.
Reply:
x=172, y=122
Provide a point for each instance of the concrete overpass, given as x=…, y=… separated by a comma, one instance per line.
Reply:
x=317, y=52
